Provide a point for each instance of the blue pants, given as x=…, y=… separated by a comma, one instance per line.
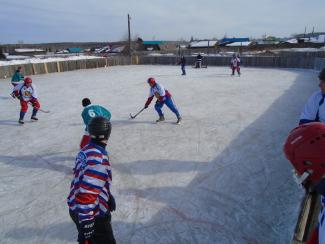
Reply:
x=169, y=103
x=183, y=70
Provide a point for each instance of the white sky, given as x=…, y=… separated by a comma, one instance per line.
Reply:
x=34, y=21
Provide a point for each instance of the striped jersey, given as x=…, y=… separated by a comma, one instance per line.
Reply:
x=90, y=187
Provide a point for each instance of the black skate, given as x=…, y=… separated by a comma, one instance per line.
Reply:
x=34, y=118
x=179, y=119
x=21, y=121
x=161, y=118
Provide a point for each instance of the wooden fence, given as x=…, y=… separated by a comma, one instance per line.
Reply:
x=63, y=66
x=291, y=61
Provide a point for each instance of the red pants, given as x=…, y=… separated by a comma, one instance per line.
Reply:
x=24, y=105
x=313, y=239
x=234, y=69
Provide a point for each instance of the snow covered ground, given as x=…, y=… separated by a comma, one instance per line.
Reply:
x=220, y=177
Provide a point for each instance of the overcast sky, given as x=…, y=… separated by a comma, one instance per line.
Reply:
x=37, y=21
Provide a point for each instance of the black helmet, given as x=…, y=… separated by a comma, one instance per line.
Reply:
x=321, y=75
x=99, y=128
x=85, y=102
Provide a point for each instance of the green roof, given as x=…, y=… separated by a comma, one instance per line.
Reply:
x=152, y=42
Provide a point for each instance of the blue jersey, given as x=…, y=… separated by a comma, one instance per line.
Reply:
x=92, y=111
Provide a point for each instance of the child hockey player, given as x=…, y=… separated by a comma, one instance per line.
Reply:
x=26, y=93
x=163, y=97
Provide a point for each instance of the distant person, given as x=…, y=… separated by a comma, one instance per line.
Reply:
x=182, y=62
x=26, y=93
x=198, y=63
x=235, y=64
x=90, y=200
x=314, y=109
x=163, y=97
x=17, y=78
x=90, y=111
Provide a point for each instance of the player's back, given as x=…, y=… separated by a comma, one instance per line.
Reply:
x=92, y=111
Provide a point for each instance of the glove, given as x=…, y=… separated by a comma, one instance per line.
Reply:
x=111, y=203
x=88, y=229
x=146, y=106
x=15, y=95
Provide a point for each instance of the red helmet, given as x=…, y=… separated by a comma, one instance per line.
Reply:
x=28, y=80
x=151, y=81
x=304, y=148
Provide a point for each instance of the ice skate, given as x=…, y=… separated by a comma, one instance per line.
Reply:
x=21, y=121
x=161, y=118
x=179, y=119
x=34, y=118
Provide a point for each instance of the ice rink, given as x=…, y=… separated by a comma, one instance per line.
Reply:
x=219, y=177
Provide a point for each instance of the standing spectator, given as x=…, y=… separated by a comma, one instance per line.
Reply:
x=26, y=93
x=90, y=111
x=182, y=62
x=235, y=64
x=90, y=200
x=314, y=109
x=17, y=77
x=198, y=63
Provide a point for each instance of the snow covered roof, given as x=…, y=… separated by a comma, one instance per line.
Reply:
x=293, y=41
x=27, y=50
x=14, y=59
x=238, y=44
x=203, y=43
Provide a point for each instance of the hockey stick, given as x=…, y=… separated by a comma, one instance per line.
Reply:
x=133, y=116
x=42, y=110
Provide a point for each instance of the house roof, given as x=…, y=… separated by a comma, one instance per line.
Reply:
x=230, y=40
x=152, y=42
x=203, y=43
x=239, y=44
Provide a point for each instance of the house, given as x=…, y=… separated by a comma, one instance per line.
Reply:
x=149, y=45
x=226, y=41
x=203, y=44
x=28, y=51
x=74, y=50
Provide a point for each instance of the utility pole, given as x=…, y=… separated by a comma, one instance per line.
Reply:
x=129, y=31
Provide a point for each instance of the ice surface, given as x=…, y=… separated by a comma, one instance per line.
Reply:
x=220, y=177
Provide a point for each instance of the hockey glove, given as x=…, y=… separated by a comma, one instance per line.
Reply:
x=88, y=229
x=15, y=95
x=146, y=106
x=111, y=203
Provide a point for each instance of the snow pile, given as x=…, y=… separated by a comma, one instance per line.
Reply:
x=43, y=60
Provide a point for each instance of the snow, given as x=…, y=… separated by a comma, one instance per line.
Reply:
x=203, y=43
x=220, y=177
x=24, y=50
x=238, y=44
x=43, y=60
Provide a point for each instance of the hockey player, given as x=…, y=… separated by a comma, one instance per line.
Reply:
x=304, y=148
x=182, y=62
x=90, y=200
x=17, y=77
x=198, y=62
x=163, y=97
x=314, y=109
x=90, y=111
x=26, y=93
x=235, y=64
